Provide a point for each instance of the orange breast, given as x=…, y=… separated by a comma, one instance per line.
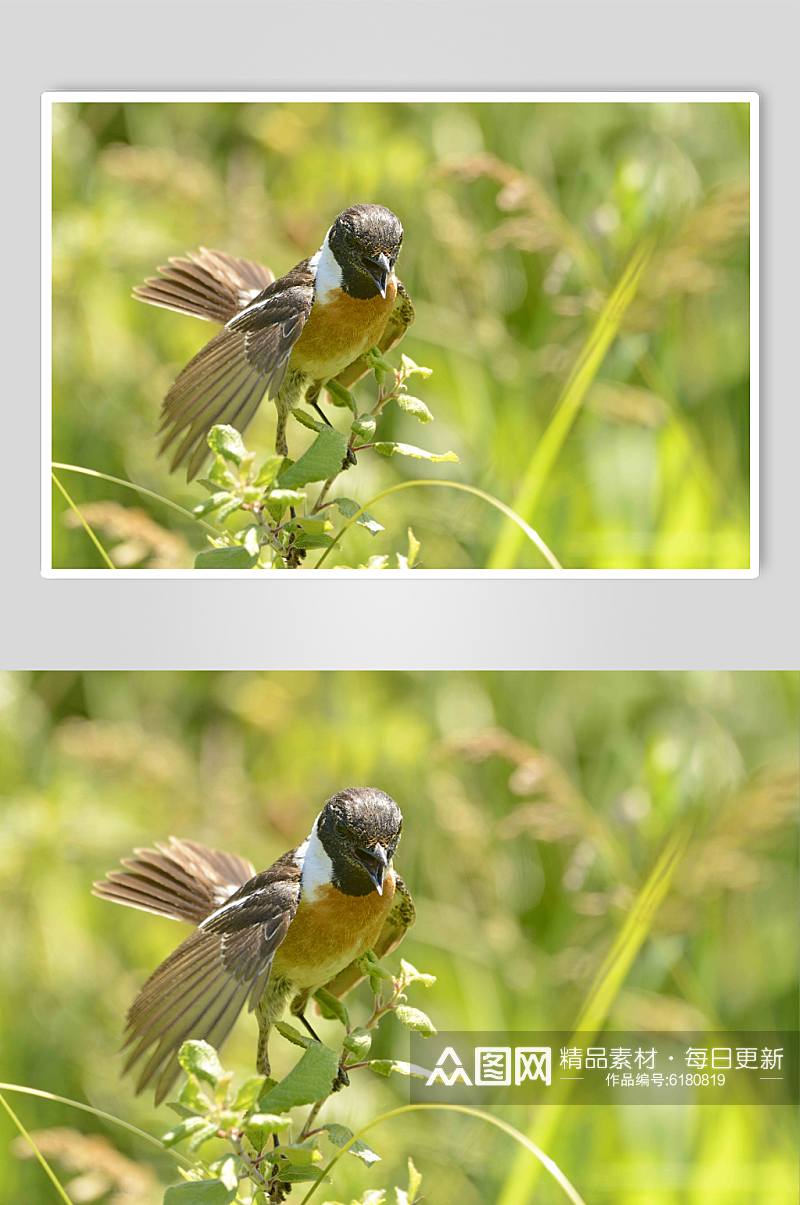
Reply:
x=339, y=331
x=329, y=930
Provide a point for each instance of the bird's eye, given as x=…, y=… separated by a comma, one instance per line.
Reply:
x=340, y=829
x=350, y=240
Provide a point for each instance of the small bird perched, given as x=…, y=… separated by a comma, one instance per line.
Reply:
x=271, y=939
x=283, y=339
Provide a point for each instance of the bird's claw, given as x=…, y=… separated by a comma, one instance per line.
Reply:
x=342, y=1080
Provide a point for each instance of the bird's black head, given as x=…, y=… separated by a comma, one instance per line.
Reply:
x=359, y=829
x=365, y=241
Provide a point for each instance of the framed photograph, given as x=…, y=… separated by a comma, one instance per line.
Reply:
x=446, y=334
x=580, y=890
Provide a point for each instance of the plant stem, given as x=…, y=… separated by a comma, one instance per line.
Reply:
x=76, y=1104
x=60, y=1190
x=140, y=489
x=533, y=536
x=88, y=529
x=544, y=1159
x=585, y=369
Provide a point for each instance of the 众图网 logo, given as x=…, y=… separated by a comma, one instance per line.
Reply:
x=494, y=1066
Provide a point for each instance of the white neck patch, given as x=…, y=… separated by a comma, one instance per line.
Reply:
x=327, y=272
x=316, y=867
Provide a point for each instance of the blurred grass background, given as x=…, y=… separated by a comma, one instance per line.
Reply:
x=518, y=220
x=535, y=804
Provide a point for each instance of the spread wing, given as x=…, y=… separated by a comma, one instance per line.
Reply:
x=182, y=880
x=229, y=377
x=208, y=284
x=200, y=989
x=401, y=917
x=400, y=320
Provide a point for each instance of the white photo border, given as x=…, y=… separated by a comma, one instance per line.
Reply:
x=49, y=99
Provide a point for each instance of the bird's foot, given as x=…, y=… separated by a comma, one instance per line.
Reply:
x=349, y=460
x=342, y=1080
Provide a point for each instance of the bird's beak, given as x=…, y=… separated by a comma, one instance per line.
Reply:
x=375, y=863
x=380, y=270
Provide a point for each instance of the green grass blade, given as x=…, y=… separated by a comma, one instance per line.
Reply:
x=58, y=1186
x=76, y=1104
x=544, y=1160
x=570, y=400
x=140, y=489
x=86, y=526
x=524, y=528
x=521, y=1182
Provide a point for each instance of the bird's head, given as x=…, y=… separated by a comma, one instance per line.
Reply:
x=365, y=241
x=359, y=830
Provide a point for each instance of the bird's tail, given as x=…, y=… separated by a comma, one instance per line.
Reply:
x=209, y=284
x=181, y=880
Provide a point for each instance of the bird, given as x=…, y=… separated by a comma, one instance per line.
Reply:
x=270, y=939
x=281, y=339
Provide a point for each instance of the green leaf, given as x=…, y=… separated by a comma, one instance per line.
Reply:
x=227, y=442
x=369, y=965
x=358, y=1042
x=364, y=426
x=200, y=1192
x=207, y=484
x=189, y=1126
x=299, y=1155
x=312, y=525
x=410, y=974
x=414, y=1181
x=408, y=368
x=248, y=1093
x=228, y=1175
x=293, y=1035
x=413, y=548
x=388, y=449
x=305, y=420
x=307, y=1082
x=201, y=1060
x=331, y=1007
x=236, y=557
x=374, y=359
x=292, y=1175
x=413, y=406
x=228, y=507
x=348, y=508
x=286, y=496
x=202, y=1134
x=340, y=1136
x=220, y=474
x=340, y=396
x=213, y=503
x=269, y=471
x=387, y=1066
x=414, y=1018
x=192, y=1094
x=314, y=542
x=261, y=1126
x=321, y=461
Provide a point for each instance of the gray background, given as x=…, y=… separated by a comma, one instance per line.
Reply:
x=491, y=623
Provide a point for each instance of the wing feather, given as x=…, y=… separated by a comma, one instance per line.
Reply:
x=229, y=378
x=209, y=284
x=200, y=989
